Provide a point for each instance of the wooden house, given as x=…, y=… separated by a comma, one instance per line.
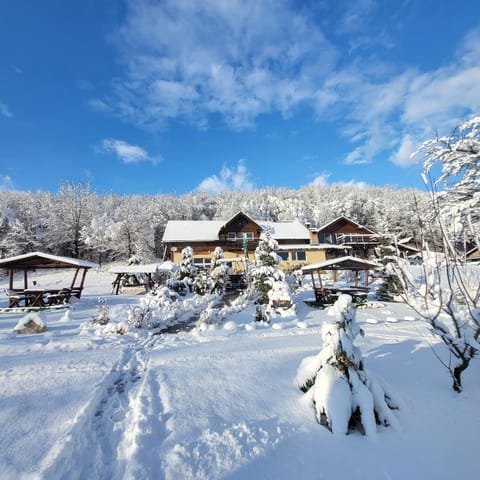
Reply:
x=238, y=237
x=343, y=232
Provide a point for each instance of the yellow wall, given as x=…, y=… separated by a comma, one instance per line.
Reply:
x=312, y=256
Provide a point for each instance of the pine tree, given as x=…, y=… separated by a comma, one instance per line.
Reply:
x=187, y=270
x=345, y=396
x=265, y=269
x=391, y=286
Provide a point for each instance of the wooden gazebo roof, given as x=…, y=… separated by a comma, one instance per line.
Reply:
x=342, y=263
x=40, y=260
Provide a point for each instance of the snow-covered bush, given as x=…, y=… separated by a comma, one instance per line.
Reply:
x=345, y=396
x=279, y=295
x=140, y=316
x=219, y=271
x=30, y=323
x=102, y=315
x=203, y=283
x=187, y=270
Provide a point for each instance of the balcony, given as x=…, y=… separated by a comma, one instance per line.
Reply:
x=356, y=239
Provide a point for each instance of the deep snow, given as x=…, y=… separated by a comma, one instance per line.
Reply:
x=219, y=401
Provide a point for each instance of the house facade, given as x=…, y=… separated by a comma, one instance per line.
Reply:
x=343, y=232
x=238, y=237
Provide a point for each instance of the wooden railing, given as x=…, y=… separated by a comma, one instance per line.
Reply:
x=356, y=239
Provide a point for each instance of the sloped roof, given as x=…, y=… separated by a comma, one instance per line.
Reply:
x=327, y=228
x=143, y=268
x=286, y=230
x=240, y=213
x=44, y=260
x=342, y=263
x=192, y=230
x=208, y=230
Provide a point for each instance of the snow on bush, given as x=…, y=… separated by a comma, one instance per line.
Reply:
x=30, y=323
x=165, y=307
x=102, y=315
x=344, y=394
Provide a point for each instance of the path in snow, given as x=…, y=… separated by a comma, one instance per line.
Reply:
x=100, y=442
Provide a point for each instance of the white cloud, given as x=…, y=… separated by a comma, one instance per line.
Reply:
x=403, y=156
x=126, y=152
x=239, y=59
x=6, y=183
x=99, y=105
x=5, y=111
x=228, y=179
x=321, y=180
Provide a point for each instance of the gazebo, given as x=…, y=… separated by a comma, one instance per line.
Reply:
x=329, y=294
x=35, y=297
x=139, y=278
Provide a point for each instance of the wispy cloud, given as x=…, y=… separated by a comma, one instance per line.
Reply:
x=99, y=105
x=5, y=111
x=126, y=152
x=6, y=183
x=237, y=60
x=321, y=180
x=237, y=178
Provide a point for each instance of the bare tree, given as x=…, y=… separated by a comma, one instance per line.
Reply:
x=446, y=292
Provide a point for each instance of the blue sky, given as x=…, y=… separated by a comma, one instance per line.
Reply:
x=171, y=96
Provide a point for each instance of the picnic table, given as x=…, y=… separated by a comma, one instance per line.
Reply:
x=38, y=297
x=330, y=294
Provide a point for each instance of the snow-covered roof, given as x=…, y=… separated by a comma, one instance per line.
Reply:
x=44, y=260
x=192, y=230
x=342, y=263
x=144, y=268
x=286, y=230
x=208, y=230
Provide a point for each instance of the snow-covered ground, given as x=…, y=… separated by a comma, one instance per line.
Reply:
x=82, y=402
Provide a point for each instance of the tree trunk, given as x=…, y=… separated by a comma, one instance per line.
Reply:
x=457, y=374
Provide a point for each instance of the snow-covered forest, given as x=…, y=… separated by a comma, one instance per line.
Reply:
x=76, y=221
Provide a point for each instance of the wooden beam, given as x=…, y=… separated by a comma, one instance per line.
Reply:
x=10, y=283
x=82, y=282
x=75, y=277
x=25, y=279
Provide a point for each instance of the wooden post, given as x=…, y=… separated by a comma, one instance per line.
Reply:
x=366, y=278
x=356, y=278
x=25, y=279
x=82, y=282
x=75, y=277
x=10, y=283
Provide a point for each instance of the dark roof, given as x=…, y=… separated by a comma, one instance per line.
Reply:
x=334, y=224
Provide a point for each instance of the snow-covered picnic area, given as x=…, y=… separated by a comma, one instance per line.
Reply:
x=93, y=401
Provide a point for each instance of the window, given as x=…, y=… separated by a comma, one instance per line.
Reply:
x=232, y=236
x=283, y=256
x=299, y=256
x=327, y=238
x=249, y=235
x=202, y=262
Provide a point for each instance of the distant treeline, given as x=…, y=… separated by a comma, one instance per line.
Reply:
x=78, y=222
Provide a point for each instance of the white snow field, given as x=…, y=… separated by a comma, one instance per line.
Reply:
x=80, y=401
